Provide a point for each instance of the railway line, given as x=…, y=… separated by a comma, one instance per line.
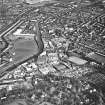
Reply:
x=34, y=52
x=20, y=57
x=8, y=31
x=16, y=62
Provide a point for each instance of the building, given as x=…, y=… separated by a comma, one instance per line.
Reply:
x=12, y=1
x=34, y=1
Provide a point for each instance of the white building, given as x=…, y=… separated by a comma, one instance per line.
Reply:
x=34, y=1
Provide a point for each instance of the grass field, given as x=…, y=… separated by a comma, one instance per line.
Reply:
x=24, y=49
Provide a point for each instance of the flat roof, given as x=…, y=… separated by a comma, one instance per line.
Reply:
x=77, y=60
x=96, y=57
